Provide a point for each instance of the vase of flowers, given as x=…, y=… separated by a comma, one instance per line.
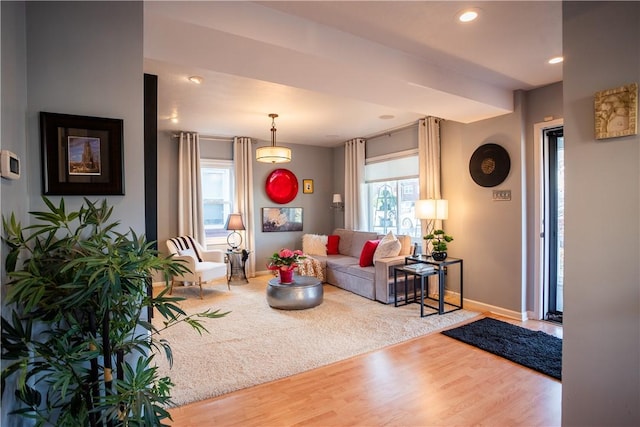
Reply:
x=284, y=262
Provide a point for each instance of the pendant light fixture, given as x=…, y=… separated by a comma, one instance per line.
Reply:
x=273, y=153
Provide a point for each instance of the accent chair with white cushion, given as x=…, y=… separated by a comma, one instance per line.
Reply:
x=204, y=265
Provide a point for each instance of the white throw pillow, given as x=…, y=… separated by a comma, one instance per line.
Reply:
x=390, y=237
x=389, y=246
x=314, y=244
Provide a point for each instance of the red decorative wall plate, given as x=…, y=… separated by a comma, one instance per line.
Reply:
x=281, y=186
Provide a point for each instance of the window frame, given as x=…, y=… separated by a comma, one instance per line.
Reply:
x=228, y=204
x=400, y=191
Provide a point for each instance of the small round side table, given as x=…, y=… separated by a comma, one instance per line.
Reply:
x=304, y=292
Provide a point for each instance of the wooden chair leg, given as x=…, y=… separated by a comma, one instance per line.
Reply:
x=200, y=283
x=171, y=286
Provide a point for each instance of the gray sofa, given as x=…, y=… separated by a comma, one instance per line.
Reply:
x=343, y=270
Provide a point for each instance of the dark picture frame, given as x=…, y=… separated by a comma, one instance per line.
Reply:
x=281, y=219
x=81, y=155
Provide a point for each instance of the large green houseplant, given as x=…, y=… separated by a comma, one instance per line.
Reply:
x=75, y=338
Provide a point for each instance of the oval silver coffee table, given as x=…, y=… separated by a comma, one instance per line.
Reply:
x=304, y=292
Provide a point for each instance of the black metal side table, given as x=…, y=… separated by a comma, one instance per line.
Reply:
x=441, y=268
x=237, y=262
x=417, y=273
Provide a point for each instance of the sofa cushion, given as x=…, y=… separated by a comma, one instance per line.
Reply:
x=367, y=273
x=351, y=242
x=348, y=265
x=389, y=246
x=333, y=242
x=345, y=237
x=341, y=262
x=366, y=256
x=314, y=244
x=358, y=240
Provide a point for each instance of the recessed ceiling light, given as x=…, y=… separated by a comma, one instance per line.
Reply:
x=468, y=15
x=386, y=116
x=556, y=60
x=196, y=79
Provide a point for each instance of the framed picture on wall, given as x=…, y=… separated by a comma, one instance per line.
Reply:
x=81, y=155
x=616, y=112
x=307, y=186
x=281, y=219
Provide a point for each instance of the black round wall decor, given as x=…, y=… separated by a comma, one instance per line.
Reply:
x=489, y=165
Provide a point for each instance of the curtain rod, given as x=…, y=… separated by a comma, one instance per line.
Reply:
x=391, y=131
x=210, y=138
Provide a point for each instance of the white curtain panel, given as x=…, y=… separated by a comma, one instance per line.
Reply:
x=243, y=167
x=429, y=160
x=190, y=217
x=429, y=152
x=355, y=215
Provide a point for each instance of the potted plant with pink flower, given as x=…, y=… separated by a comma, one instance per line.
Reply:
x=285, y=261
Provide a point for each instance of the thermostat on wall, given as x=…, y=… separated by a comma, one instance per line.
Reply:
x=9, y=165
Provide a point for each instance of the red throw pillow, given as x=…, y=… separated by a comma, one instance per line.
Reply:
x=333, y=241
x=366, y=256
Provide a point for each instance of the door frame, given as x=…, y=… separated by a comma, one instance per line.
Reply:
x=541, y=250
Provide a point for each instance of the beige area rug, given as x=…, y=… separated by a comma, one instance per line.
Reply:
x=255, y=343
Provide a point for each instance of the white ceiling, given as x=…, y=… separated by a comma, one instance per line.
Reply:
x=332, y=69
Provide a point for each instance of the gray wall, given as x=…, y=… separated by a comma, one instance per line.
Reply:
x=13, y=107
x=89, y=69
x=489, y=235
x=601, y=350
x=337, y=167
x=541, y=103
x=85, y=68
x=13, y=111
x=602, y=329
x=167, y=189
x=496, y=239
x=308, y=162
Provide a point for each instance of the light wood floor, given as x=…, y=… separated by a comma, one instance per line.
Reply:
x=429, y=381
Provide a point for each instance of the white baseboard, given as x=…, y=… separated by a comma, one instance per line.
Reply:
x=482, y=307
x=472, y=305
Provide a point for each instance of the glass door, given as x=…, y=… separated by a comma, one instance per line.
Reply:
x=555, y=218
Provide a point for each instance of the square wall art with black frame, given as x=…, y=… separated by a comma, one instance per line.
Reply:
x=81, y=155
x=281, y=219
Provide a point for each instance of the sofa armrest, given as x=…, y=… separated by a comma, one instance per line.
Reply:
x=384, y=275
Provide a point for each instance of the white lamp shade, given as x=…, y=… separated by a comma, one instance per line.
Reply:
x=337, y=198
x=273, y=154
x=432, y=209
